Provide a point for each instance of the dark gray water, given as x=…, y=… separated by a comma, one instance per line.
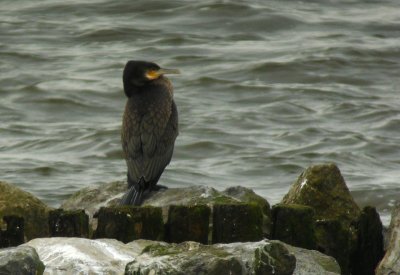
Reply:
x=267, y=88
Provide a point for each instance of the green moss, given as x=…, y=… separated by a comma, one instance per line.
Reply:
x=221, y=199
x=257, y=259
x=161, y=250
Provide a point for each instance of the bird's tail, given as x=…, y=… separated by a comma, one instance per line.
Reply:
x=133, y=196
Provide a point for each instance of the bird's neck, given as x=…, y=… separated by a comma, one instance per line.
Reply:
x=130, y=89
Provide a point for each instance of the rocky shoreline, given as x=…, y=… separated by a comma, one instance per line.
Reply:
x=316, y=229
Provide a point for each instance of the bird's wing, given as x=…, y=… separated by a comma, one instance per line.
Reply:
x=149, y=145
x=131, y=142
x=161, y=148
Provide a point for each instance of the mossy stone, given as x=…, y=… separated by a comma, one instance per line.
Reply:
x=323, y=188
x=14, y=201
x=237, y=223
x=128, y=223
x=294, y=224
x=188, y=223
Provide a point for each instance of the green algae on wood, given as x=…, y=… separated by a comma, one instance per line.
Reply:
x=369, y=249
x=237, y=223
x=14, y=233
x=188, y=223
x=335, y=240
x=128, y=223
x=106, y=195
x=294, y=224
x=247, y=195
x=68, y=223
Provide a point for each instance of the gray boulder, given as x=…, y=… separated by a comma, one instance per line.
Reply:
x=390, y=263
x=313, y=262
x=20, y=260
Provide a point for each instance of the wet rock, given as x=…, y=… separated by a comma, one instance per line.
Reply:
x=237, y=223
x=294, y=224
x=108, y=256
x=323, y=188
x=14, y=234
x=262, y=257
x=84, y=256
x=188, y=223
x=369, y=250
x=16, y=202
x=93, y=198
x=390, y=264
x=313, y=262
x=70, y=223
x=128, y=223
x=20, y=260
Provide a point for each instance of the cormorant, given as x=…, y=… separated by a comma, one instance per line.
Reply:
x=149, y=126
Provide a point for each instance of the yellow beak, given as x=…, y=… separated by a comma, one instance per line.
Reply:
x=168, y=71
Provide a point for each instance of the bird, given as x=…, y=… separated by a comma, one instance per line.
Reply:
x=149, y=127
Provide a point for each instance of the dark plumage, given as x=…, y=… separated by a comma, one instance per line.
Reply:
x=149, y=127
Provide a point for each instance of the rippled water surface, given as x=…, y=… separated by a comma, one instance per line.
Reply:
x=267, y=88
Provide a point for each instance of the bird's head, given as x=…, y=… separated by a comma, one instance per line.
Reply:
x=140, y=73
